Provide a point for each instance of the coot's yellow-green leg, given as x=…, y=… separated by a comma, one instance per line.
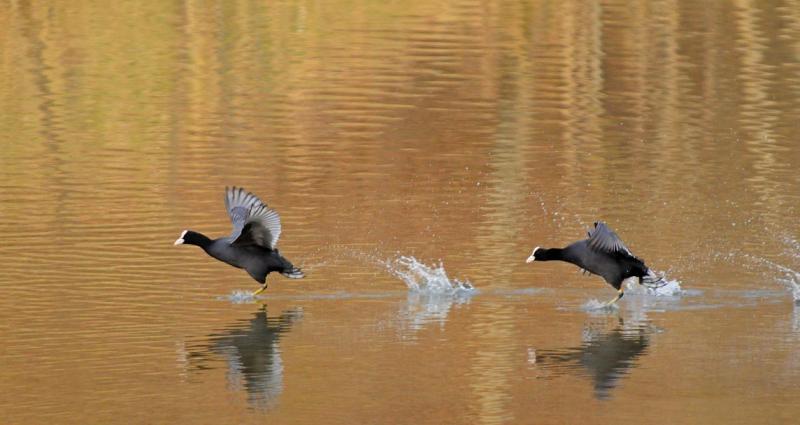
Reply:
x=620, y=293
x=260, y=290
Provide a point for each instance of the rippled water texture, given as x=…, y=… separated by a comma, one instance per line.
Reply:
x=417, y=151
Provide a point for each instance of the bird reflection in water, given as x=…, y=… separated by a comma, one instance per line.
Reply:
x=252, y=352
x=608, y=353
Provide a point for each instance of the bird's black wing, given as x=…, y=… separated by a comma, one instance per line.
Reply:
x=602, y=238
x=253, y=222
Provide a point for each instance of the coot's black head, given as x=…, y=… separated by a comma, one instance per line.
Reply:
x=191, y=238
x=546, y=254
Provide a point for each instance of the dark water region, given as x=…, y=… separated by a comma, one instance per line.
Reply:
x=416, y=153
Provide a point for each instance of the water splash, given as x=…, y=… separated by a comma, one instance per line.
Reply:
x=597, y=306
x=669, y=290
x=668, y=287
x=792, y=246
x=431, y=293
x=790, y=278
x=429, y=280
x=239, y=296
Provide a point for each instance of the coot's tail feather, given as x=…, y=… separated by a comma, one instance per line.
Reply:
x=294, y=273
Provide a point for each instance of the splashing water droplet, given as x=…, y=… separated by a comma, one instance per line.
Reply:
x=425, y=279
x=594, y=305
x=790, y=279
x=667, y=287
x=239, y=297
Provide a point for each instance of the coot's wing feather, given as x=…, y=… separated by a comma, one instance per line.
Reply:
x=254, y=223
x=602, y=238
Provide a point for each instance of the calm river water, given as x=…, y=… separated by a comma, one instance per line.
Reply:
x=410, y=147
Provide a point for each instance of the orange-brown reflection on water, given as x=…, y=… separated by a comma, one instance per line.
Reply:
x=466, y=132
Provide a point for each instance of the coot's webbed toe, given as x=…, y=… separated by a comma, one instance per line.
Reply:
x=653, y=281
x=294, y=273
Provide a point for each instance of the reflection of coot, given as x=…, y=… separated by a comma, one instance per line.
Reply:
x=253, y=355
x=607, y=356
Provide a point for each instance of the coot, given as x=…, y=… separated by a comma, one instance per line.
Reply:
x=251, y=245
x=603, y=253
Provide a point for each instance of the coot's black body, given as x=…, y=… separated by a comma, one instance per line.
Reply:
x=603, y=254
x=256, y=260
x=613, y=267
x=251, y=246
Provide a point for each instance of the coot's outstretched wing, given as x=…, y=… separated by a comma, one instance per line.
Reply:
x=253, y=222
x=602, y=238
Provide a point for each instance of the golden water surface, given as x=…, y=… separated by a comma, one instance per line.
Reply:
x=459, y=133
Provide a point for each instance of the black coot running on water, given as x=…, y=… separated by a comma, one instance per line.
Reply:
x=603, y=254
x=251, y=246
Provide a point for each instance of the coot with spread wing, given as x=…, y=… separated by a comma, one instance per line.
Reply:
x=603, y=253
x=252, y=244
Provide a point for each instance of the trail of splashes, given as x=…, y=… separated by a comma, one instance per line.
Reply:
x=598, y=307
x=417, y=276
x=792, y=246
x=431, y=292
x=327, y=255
x=668, y=288
x=791, y=277
x=424, y=279
x=238, y=297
